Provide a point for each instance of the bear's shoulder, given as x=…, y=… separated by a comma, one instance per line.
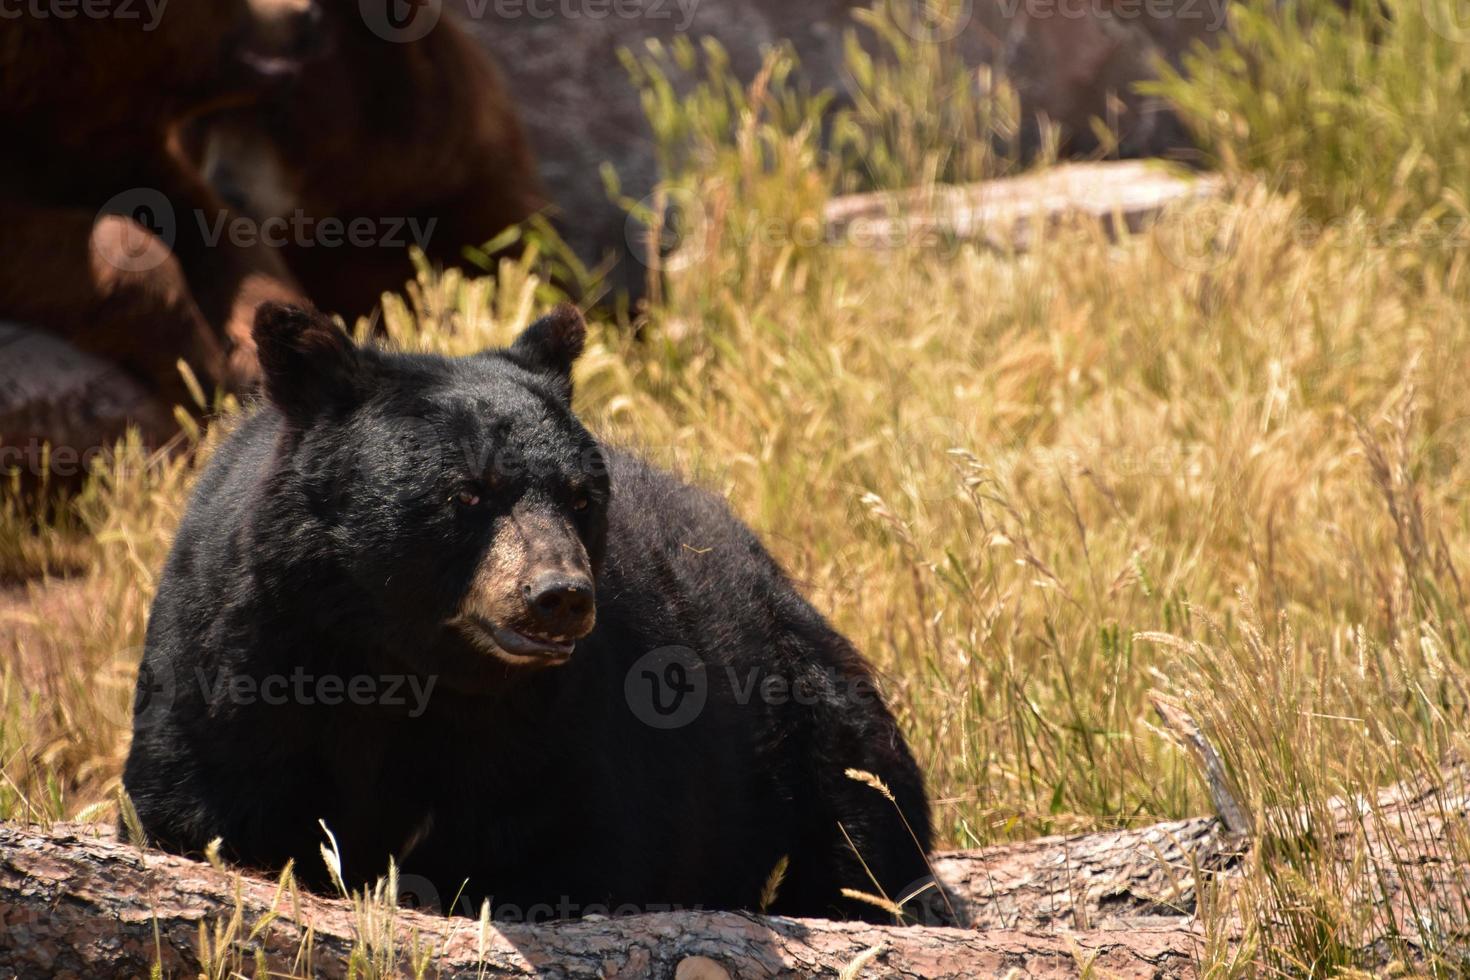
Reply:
x=668, y=535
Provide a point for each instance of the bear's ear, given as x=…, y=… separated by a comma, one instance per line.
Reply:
x=551, y=345
x=309, y=366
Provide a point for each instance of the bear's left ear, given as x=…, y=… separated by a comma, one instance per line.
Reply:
x=308, y=365
x=551, y=345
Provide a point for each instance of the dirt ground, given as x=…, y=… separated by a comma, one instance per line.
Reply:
x=25, y=608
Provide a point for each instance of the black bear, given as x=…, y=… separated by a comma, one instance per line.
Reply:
x=415, y=600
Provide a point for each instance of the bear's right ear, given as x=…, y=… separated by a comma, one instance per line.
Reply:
x=550, y=346
x=309, y=366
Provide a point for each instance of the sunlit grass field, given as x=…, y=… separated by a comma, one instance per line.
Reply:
x=1227, y=459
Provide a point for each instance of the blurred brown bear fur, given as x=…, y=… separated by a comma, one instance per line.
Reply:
x=416, y=141
x=90, y=107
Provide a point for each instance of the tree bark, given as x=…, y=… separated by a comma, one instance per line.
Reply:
x=75, y=901
x=1105, y=880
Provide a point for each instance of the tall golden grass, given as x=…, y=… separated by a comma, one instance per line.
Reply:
x=1227, y=458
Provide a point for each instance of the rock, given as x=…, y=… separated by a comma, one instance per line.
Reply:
x=1070, y=61
x=1073, y=61
x=580, y=108
x=52, y=393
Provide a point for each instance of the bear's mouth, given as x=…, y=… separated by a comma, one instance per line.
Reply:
x=270, y=66
x=513, y=645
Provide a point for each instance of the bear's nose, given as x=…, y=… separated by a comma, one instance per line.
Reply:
x=561, y=604
x=289, y=29
x=305, y=32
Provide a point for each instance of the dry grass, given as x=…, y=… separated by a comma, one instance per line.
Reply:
x=994, y=472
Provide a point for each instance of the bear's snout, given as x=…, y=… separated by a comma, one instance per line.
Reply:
x=282, y=36
x=560, y=605
x=532, y=597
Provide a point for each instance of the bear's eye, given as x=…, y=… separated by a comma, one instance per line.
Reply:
x=468, y=496
x=581, y=502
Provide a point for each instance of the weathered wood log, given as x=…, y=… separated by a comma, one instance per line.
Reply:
x=1011, y=213
x=75, y=902
x=1114, y=879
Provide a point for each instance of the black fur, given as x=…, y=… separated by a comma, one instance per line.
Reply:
x=324, y=539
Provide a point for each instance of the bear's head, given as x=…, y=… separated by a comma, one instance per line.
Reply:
x=129, y=62
x=457, y=501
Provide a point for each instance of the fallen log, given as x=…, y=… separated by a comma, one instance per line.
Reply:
x=74, y=901
x=1011, y=213
x=1108, y=880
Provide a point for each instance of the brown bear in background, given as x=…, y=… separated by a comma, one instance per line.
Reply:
x=389, y=143
x=107, y=240
x=405, y=130
x=463, y=111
